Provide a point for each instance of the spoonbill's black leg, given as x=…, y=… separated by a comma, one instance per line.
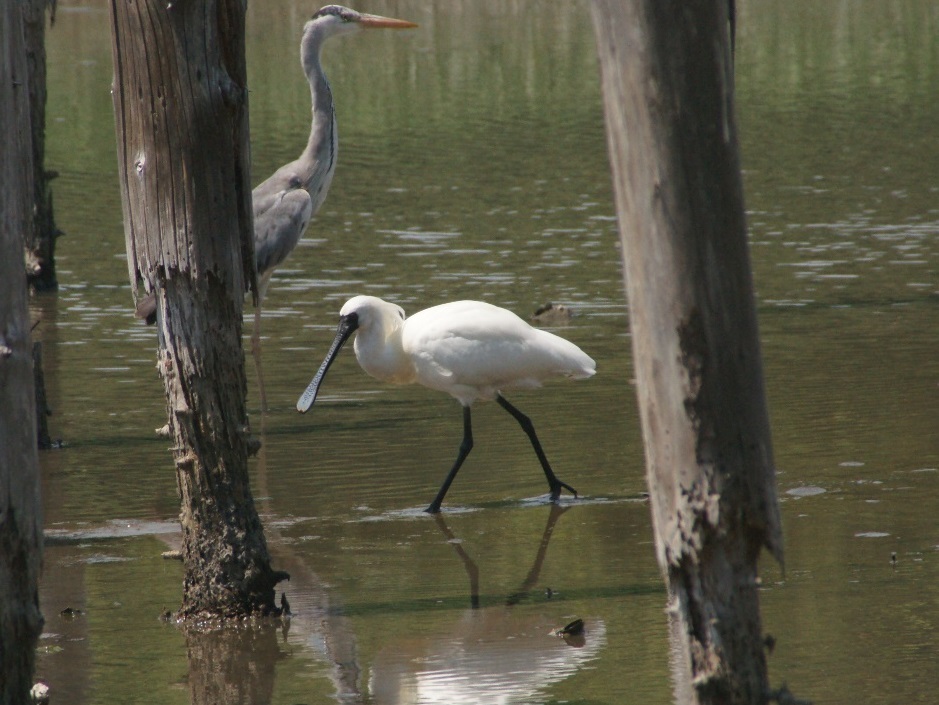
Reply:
x=465, y=447
x=553, y=482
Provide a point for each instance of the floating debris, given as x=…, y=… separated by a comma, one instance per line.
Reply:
x=573, y=634
x=573, y=629
x=807, y=491
x=552, y=314
x=769, y=643
x=39, y=694
x=784, y=696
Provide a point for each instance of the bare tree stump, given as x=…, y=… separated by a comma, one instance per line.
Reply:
x=180, y=103
x=667, y=75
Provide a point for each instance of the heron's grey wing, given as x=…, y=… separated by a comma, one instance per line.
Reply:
x=279, y=227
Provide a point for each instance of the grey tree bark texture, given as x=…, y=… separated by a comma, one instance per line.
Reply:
x=668, y=87
x=180, y=104
x=20, y=518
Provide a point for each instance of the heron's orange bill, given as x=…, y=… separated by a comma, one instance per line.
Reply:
x=375, y=21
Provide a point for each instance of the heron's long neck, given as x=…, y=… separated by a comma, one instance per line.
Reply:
x=323, y=145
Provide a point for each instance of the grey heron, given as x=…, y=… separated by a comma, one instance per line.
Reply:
x=285, y=202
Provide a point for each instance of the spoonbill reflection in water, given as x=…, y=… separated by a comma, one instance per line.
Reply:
x=469, y=349
x=491, y=653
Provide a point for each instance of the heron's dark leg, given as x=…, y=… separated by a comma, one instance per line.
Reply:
x=256, y=353
x=553, y=482
x=465, y=447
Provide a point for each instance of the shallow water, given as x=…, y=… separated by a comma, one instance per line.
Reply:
x=472, y=165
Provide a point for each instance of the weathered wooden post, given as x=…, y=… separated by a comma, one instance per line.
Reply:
x=668, y=87
x=20, y=520
x=181, y=107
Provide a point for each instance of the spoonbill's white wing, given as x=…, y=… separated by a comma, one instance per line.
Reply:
x=472, y=349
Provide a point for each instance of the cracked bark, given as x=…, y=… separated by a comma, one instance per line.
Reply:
x=180, y=105
x=667, y=76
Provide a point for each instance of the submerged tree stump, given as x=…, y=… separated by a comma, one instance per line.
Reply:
x=20, y=520
x=667, y=75
x=181, y=107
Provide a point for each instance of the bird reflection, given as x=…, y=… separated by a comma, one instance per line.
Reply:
x=491, y=654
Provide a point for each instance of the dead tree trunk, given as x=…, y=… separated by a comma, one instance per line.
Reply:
x=180, y=102
x=20, y=521
x=667, y=75
x=40, y=243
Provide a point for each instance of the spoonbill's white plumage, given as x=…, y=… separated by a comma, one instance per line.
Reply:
x=469, y=349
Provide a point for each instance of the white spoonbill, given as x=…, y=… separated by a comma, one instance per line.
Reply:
x=469, y=349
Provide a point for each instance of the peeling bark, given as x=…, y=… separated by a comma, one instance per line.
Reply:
x=180, y=103
x=667, y=75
